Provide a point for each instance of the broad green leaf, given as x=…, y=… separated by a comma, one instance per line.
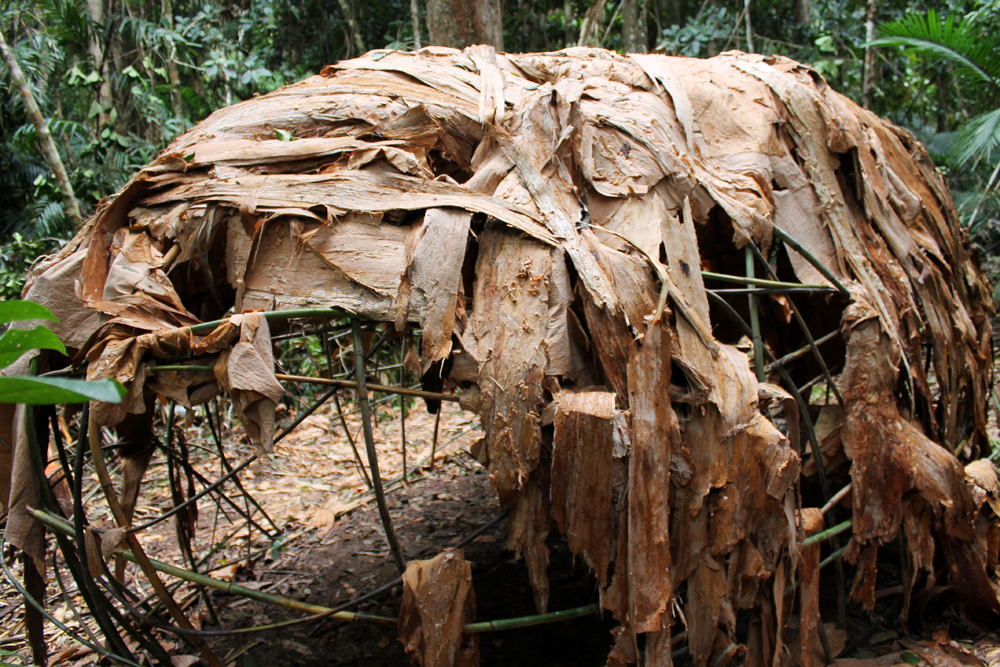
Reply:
x=18, y=311
x=16, y=342
x=49, y=391
x=910, y=658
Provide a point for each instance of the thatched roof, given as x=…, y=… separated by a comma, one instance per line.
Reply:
x=556, y=225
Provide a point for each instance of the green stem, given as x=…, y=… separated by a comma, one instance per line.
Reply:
x=809, y=257
x=528, y=621
x=758, y=343
x=828, y=533
x=277, y=315
x=725, y=277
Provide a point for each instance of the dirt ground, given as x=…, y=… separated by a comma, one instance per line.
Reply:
x=332, y=550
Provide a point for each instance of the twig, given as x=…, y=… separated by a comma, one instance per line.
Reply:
x=434, y=443
x=402, y=404
x=350, y=439
x=837, y=497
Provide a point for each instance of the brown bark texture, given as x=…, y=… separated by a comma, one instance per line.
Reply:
x=518, y=208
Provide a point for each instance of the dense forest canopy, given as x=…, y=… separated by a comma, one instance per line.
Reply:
x=116, y=80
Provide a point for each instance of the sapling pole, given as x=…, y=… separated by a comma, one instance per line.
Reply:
x=366, y=427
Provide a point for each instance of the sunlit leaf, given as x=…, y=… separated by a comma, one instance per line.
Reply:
x=49, y=391
x=16, y=310
x=16, y=342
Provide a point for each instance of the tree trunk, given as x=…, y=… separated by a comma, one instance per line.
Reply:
x=800, y=12
x=866, y=84
x=415, y=20
x=352, y=23
x=568, y=16
x=633, y=35
x=95, y=8
x=45, y=142
x=677, y=11
x=459, y=23
x=591, y=23
x=167, y=7
x=746, y=20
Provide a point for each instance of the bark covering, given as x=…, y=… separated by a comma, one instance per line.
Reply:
x=568, y=230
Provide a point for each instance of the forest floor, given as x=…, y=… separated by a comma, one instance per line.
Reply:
x=333, y=550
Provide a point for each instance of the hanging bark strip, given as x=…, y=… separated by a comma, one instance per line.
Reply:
x=366, y=425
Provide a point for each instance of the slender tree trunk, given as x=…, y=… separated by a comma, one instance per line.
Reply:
x=866, y=84
x=460, y=23
x=167, y=9
x=942, y=100
x=568, y=17
x=45, y=142
x=591, y=23
x=800, y=12
x=677, y=11
x=95, y=8
x=352, y=23
x=415, y=20
x=746, y=22
x=633, y=35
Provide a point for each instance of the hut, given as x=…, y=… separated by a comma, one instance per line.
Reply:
x=701, y=307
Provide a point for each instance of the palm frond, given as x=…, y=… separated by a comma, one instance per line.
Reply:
x=978, y=138
x=972, y=53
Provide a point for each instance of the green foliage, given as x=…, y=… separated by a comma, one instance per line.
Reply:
x=32, y=390
x=974, y=57
x=16, y=257
x=713, y=25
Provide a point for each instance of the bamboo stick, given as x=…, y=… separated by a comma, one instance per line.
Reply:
x=340, y=384
x=809, y=257
x=528, y=621
x=828, y=533
x=760, y=282
x=276, y=315
x=758, y=343
x=837, y=497
x=366, y=427
x=802, y=351
x=805, y=329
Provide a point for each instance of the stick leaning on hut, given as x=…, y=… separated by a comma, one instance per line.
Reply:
x=636, y=268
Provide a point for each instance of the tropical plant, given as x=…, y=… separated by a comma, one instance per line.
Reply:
x=33, y=390
x=970, y=47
